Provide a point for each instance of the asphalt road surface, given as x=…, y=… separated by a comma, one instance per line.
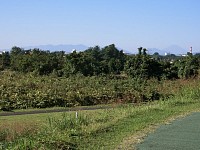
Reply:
x=181, y=134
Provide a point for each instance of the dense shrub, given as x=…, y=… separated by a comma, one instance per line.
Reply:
x=21, y=91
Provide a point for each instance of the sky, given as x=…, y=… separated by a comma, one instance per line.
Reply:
x=128, y=24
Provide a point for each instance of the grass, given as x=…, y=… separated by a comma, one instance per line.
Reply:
x=115, y=128
x=102, y=129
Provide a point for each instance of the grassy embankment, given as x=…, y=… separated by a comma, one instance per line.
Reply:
x=99, y=129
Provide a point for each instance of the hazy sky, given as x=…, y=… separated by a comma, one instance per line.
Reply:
x=126, y=23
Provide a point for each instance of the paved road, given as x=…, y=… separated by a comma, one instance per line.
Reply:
x=182, y=134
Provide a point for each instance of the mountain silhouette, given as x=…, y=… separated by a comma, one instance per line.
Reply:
x=60, y=47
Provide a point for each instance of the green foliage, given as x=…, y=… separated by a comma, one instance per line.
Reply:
x=143, y=66
x=41, y=79
x=187, y=67
x=42, y=62
x=103, y=129
x=96, y=61
x=21, y=91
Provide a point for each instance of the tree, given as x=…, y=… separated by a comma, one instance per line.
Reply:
x=187, y=67
x=140, y=51
x=144, y=51
x=143, y=66
x=15, y=57
x=114, y=58
x=5, y=60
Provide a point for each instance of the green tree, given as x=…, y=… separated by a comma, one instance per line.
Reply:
x=143, y=66
x=5, y=60
x=15, y=56
x=95, y=61
x=187, y=67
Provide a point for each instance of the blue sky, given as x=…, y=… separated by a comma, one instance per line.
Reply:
x=128, y=24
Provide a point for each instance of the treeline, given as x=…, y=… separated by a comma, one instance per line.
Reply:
x=97, y=61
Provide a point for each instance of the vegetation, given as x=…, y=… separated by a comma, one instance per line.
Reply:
x=19, y=91
x=99, y=129
x=99, y=61
x=155, y=88
x=39, y=79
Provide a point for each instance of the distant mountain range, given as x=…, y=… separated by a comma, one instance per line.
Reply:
x=64, y=47
x=155, y=50
x=173, y=49
x=61, y=47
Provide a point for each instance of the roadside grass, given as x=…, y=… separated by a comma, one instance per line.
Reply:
x=113, y=128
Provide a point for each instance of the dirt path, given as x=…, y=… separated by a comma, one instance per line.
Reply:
x=181, y=134
x=12, y=113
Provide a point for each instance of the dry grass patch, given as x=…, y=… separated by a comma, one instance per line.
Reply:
x=9, y=131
